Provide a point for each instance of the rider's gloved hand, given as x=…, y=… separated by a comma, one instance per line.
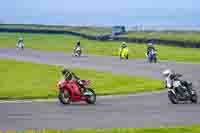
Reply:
x=80, y=82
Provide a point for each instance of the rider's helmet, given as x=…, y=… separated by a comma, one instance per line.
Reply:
x=167, y=72
x=66, y=73
x=124, y=44
x=151, y=41
x=150, y=44
x=78, y=43
x=20, y=38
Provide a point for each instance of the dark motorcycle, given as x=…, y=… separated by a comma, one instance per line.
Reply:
x=181, y=91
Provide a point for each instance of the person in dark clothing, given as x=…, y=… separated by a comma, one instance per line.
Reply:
x=69, y=75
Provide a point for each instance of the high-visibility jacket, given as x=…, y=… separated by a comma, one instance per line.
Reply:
x=123, y=52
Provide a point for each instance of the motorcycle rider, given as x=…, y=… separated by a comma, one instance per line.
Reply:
x=20, y=43
x=149, y=48
x=123, y=51
x=71, y=76
x=168, y=74
x=78, y=45
x=170, y=78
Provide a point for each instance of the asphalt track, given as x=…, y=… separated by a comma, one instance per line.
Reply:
x=142, y=110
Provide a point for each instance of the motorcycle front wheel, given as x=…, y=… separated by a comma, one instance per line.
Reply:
x=155, y=59
x=149, y=59
x=172, y=98
x=194, y=97
x=91, y=99
x=64, y=97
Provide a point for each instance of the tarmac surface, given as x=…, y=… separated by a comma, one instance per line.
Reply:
x=140, y=110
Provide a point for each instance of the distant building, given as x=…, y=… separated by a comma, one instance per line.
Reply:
x=117, y=30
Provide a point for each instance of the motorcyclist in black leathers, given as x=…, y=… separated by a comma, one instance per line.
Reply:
x=71, y=76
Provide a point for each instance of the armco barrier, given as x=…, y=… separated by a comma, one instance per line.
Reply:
x=187, y=44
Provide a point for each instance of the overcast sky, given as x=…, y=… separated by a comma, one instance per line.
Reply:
x=71, y=11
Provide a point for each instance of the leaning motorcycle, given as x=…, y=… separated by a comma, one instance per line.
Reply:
x=187, y=93
x=72, y=91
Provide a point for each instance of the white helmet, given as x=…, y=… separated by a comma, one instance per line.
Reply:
x=150, y=44
x=167, y=72
x=21, y=38
x=124, y=43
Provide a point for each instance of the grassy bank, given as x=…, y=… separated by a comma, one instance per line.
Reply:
x=80, y=29
x=179, y=36
x=65, y=43
x=29, y=80
x=186, y=129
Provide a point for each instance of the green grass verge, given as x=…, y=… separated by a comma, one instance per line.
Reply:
x=186, y=129
x=80, y=29
x=179, y=36
x=29, y=80
x=65, y=43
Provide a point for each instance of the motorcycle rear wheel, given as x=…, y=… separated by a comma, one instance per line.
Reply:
x=155, y=60
x=150, y=59
x=194, y=98
x=64, y=97
x=127, y=57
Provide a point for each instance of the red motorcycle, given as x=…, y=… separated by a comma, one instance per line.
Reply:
x=72, y=91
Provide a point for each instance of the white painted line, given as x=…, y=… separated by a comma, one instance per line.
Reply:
x=133, y=95
x=98, y=97
x=20, y=117
x=28, y=101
